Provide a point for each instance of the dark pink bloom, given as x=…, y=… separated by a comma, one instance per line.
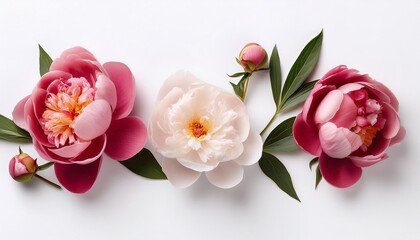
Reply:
x=348, y=121
x=77, y=111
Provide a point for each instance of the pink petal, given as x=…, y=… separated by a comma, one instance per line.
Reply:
x=350, y=87
x=339, y=172
x=252, y=149
x=126, y=137
x=77, y=67
x=312, y=103
x=328, y=106
x=48, y=155
x=93, y=152
x=392, y=124
x=306, y=136
x=124, y=83
x=94, y=120
x=178, y=175
x=378, y=146
x=338, y=142
x=72, y=150
x=226, y=175
x=346, y=114
x=52, y=76
x=399, y=137
x=392, y=99
x=38, y=100
x=34, y=126
x=79, y=51
x=105, y=89
x=368, y=160
x=19, y=113
x=77, y=178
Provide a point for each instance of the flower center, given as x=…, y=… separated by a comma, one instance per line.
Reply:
x=199, y=128
x=63, y=108
x=367, y=134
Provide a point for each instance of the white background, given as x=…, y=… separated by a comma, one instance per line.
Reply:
x=157, y=38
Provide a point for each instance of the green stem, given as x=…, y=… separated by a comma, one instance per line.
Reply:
x=246, y=87
x=48, y=181
x=45, y=166
x=269, y=123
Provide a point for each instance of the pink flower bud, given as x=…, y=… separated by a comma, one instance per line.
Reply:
x=22, y=167
x=252, y=57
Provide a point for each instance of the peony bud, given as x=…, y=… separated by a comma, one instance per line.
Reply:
x=22, y=167
x=252, y=57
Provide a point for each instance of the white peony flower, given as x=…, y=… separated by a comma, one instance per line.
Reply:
x=200, y=128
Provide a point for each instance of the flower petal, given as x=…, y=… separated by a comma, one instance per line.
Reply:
x=126, y=137
x=346, y=114
x=19, y=113
x=94, y=120
x=399, y=137
x=338, y=142
x=93, y=152
x=124, y=83
x=50, y=77
x=252, y=149
x=226, y=175
x=180, y=79
x=178, y=175
x=105, y=89
x=368, y=160
x=306, y=136
x=339, y=172
x=72, y=150
x=328, y=106
x=77, y=178
x=313, y=101
x=392, y=124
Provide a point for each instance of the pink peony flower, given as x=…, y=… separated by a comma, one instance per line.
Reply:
x=22, y=167
x=199, y=128
x=252, y=57
x=348, y=120
x=77, y=111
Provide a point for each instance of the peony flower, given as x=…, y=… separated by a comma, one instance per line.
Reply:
x=77, y=111
x=252, y=57
x=200, y=128
x=348, y=121
x=22, y=167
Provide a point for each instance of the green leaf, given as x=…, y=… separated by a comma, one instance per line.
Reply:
x=44, y=61
x=318, y=177
x=9, y=131
x=239, y=74
x=239, y=88
x=45, y=166
x=302, y=67
x=298, y=97
x=313, y=162
x=275, y=76
x=144, y=164
x=276, y=171
x=281, y=138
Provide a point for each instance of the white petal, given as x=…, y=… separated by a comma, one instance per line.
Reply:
x=180, y=79
x=252, y=149
x=179, y=175
x=226, y=175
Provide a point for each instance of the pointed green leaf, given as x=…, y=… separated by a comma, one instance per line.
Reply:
x=44, y=61
x=313, y=162
x=298, y=97
x=145, y=165
x=238, y=74
x=239, y=88
x=281, y=138
x=276, y=171
x=275, y=76
x=318, y=177
x=302, y=67
x=9, y=131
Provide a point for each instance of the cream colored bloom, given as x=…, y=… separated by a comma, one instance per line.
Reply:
x=200, y=128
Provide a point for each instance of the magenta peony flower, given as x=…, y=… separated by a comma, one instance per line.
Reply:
x=77, y=111
x=252, y=57
x=348, y=121
x=201, y=129
x=22, y=167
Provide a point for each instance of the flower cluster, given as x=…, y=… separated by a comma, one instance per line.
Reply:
x=80, y=110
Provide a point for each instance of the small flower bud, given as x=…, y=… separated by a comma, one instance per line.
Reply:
x=22, y=167
x=252, y=57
